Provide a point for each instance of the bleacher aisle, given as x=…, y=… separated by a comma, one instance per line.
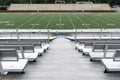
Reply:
x=63, y=62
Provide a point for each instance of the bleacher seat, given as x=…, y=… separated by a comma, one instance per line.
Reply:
x=60, y=7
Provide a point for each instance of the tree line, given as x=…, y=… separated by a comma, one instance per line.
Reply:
x=8, y=2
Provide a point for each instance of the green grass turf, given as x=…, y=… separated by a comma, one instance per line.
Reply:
x=59, y=20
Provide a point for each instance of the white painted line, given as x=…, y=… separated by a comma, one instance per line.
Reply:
x=71, y=22
x=93, y=21
x=39, y=21
x=59, y=24
x=49, y=22
x=27, y=21
x=80, y=20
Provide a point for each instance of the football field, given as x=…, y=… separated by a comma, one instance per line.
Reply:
x=59, y=20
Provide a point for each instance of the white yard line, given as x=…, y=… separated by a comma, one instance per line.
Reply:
x=111, y=20
x=81, y=20
x=39, y=20
x=20, y=20
x=60, y=21
x=93, y=21
x=4, y=17
x=10, y=19
x=71, y=22
x=103, y=20
x=9, y=16
x=49, y=22
x=27, y=21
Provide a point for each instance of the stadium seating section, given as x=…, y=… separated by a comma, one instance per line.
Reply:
x=59, y=7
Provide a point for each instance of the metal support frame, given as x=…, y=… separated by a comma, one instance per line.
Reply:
x=22, y=51
x=48, y=36
x=17, y=35
x=105, y=51
x=75, y=35
x=1, y=69
x=100, y=34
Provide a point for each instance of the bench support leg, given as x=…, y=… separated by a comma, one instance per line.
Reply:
x=91, y=60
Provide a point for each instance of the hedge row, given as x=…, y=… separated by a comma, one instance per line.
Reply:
x=2, y=8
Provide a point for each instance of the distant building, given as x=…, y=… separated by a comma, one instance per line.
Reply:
x=60, y=1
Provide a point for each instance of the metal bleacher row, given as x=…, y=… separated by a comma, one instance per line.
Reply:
x=14, y=55
x=106, y=51
x=59, y=7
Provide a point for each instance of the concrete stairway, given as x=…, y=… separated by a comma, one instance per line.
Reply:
x=62, y=62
